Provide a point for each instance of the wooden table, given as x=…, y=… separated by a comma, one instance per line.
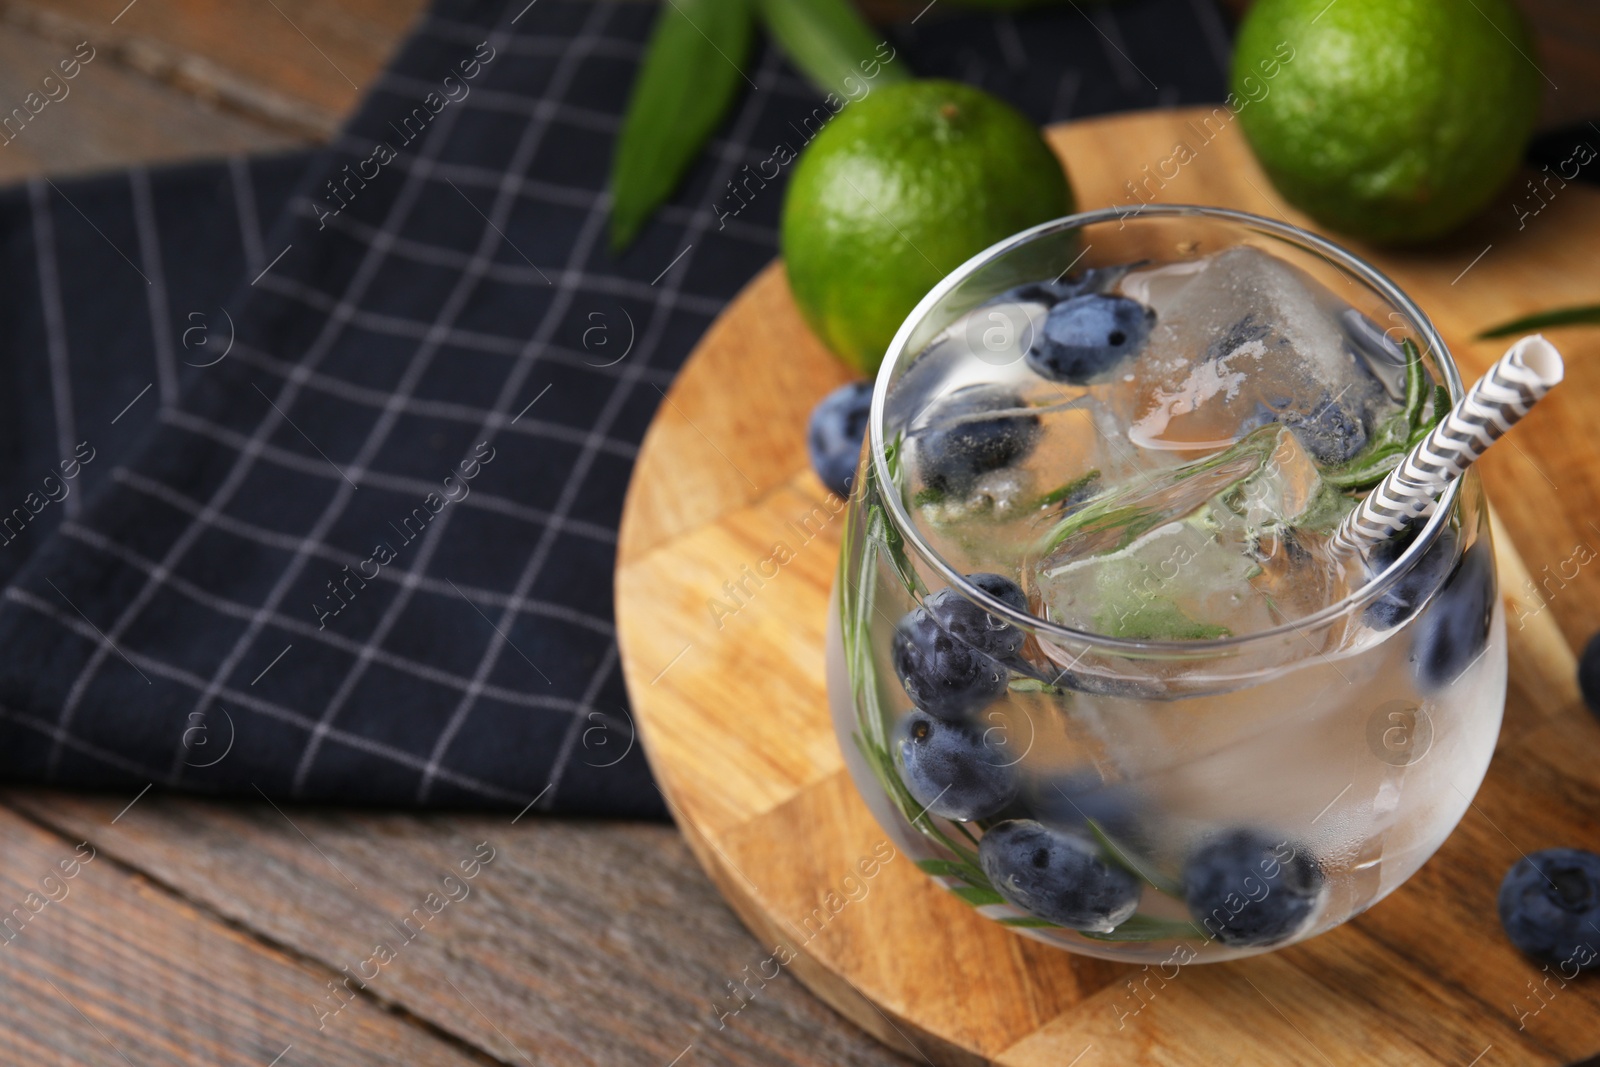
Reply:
x=208, y=933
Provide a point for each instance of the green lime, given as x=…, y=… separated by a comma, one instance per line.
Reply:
x=1390, y=120
x=897, y=191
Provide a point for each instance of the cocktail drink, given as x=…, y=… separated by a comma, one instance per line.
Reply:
x=1096, y=661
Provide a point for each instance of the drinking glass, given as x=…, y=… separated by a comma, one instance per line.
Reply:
x=1257, y=788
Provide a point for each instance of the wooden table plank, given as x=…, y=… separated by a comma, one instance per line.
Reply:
x=579, y=943
x=102, y=968
x=297, y=64
x=109, y=116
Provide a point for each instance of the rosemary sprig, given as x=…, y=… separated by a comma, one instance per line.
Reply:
x=1398, y=434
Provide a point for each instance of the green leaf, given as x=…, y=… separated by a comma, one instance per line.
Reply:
x=1394, y=437
x=1586, y=315
x=1030, y=921
x=943, y=868
x=978, y=897
x=1073, y=492
x=880, y=529
x=832, y=45
x=1144, y=928
x=692, y=69
x=1416, y=383
x=1155, y=618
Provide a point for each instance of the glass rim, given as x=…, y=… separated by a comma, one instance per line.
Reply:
x=1340, y=257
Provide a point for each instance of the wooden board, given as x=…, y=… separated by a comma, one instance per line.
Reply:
x=733, y=713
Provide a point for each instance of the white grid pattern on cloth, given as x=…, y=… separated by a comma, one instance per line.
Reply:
x=287, y=542
x=383, y=322
x=299, y=461
x=376, y=437
x=608, y=663
x=238, y=698
x=526, y=42
x=532, y=137
x=299, y=627
x=318, y=374
x=44, y=244
x=244, y=206
x=749, y=112
x=434, y=141
x=528, y=425
x=144, y=218
x=546, y=192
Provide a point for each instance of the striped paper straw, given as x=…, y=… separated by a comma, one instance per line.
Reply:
x=1491, y=407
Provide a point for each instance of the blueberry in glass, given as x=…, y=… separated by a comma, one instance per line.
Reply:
x=1247, y=888
x=954, y=770
x=1086, y=336
x=1060, y=877
x=973, y=431
x=948, y=651
x=1402, y=599
x=1455, y=628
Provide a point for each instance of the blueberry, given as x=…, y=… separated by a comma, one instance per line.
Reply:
x=1550, y=906
x=1589, y=674
x=1235, y=337
x=1247, y=888
x=1329, y=432
x=1001, y=588
x=1401, y=600
x=1455, y=627
x=952, y=768
x=947, y=652
x=958, y=446
x=1088, y=335
x=838, y=423
x=1057, y=876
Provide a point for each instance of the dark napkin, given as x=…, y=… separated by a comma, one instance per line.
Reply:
x=324, y=508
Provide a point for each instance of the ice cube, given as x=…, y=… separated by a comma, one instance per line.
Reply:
x=1113, y=519
x=1176, y=582
x=1197, y=551
x=1243, y=338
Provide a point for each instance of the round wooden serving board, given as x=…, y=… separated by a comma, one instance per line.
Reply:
x=722, y=645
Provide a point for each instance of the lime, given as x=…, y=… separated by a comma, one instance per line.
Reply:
x=1390, y=120
x=897, y=191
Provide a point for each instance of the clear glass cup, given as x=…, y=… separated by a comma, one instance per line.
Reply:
x=1238, y=793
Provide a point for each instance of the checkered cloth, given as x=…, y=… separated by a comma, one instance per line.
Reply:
x=324, y=508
